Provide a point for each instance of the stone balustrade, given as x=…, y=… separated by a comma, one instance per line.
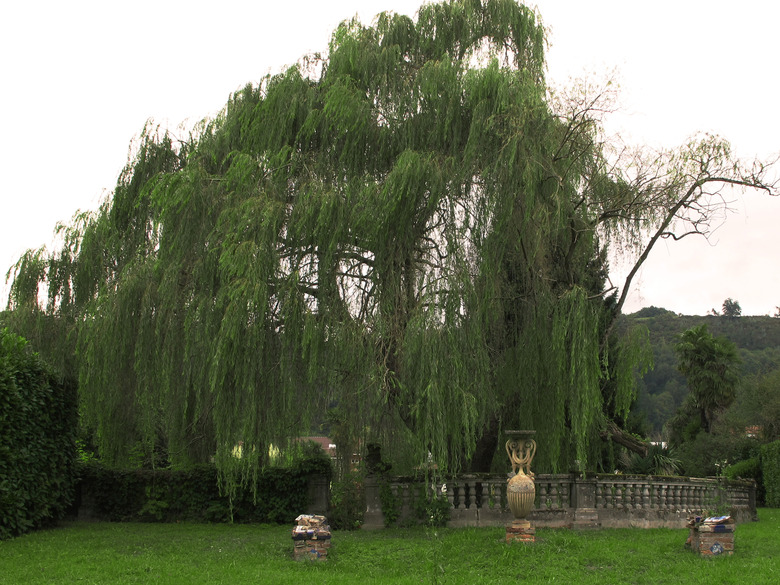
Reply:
x=571, y=500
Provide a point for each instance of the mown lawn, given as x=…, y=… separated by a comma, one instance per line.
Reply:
x=241, y=554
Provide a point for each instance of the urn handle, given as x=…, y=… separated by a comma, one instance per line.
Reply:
x=521, y=452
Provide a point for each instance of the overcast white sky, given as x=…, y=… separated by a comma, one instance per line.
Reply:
x=80, y=78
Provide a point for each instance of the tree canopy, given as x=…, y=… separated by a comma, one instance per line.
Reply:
x=711, y=367
x=405, y=238
x=731, y=308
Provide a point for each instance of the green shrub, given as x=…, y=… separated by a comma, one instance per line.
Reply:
x=432, y=509
x=658, y=461
x=770, y=468
x=749, y=469
x=428, y=508
x=38, y=425
x=707, y=453
x=389, y=501
x=347, y=502
x=308, y=458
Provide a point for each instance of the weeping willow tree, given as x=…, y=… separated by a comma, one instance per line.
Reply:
x=405, y=237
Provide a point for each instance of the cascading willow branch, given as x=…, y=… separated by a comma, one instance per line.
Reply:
x=406, y=242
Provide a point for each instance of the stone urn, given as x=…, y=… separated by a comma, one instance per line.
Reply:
x=521, y=492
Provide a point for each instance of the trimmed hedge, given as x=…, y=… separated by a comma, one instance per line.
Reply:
x=191, y=495
x=770, y=466
x=749, y=469
x=38, y=425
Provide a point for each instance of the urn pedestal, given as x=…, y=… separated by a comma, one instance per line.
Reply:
x=520, y=491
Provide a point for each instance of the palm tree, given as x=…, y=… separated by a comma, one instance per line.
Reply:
x=711, y=367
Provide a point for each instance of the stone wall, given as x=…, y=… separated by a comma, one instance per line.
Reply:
x=571, y=500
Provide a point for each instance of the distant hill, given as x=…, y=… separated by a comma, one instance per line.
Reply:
x=663, y=389
x=752, y=333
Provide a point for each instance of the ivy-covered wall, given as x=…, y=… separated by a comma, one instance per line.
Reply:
x=38, y=422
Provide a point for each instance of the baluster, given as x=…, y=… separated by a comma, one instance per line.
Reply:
x=487, y=495
x=609, y=495
x=554, y=502
x=696, y=499
x=599, y=495
x=709, y=496
x=495, y=495
x=645, y=502
x=451, y=493
x=470, y=499
x=566, y=495
x=662, y=503
x=466, y=494
x=608, y=491
x=541, y=495
x=461, y=495
x=726, y=493
x=624, y=497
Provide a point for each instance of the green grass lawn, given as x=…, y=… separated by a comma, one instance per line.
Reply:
x=196, y=553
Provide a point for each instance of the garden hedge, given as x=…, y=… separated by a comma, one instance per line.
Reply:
x=770, y=466
x=749, y=469
x=166, y=495
x=38, y=425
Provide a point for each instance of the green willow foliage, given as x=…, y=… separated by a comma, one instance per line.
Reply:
x=401, y=236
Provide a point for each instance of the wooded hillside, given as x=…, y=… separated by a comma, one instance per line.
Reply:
x=662, y=389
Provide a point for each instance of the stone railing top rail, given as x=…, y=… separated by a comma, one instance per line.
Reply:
x=574, y=477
